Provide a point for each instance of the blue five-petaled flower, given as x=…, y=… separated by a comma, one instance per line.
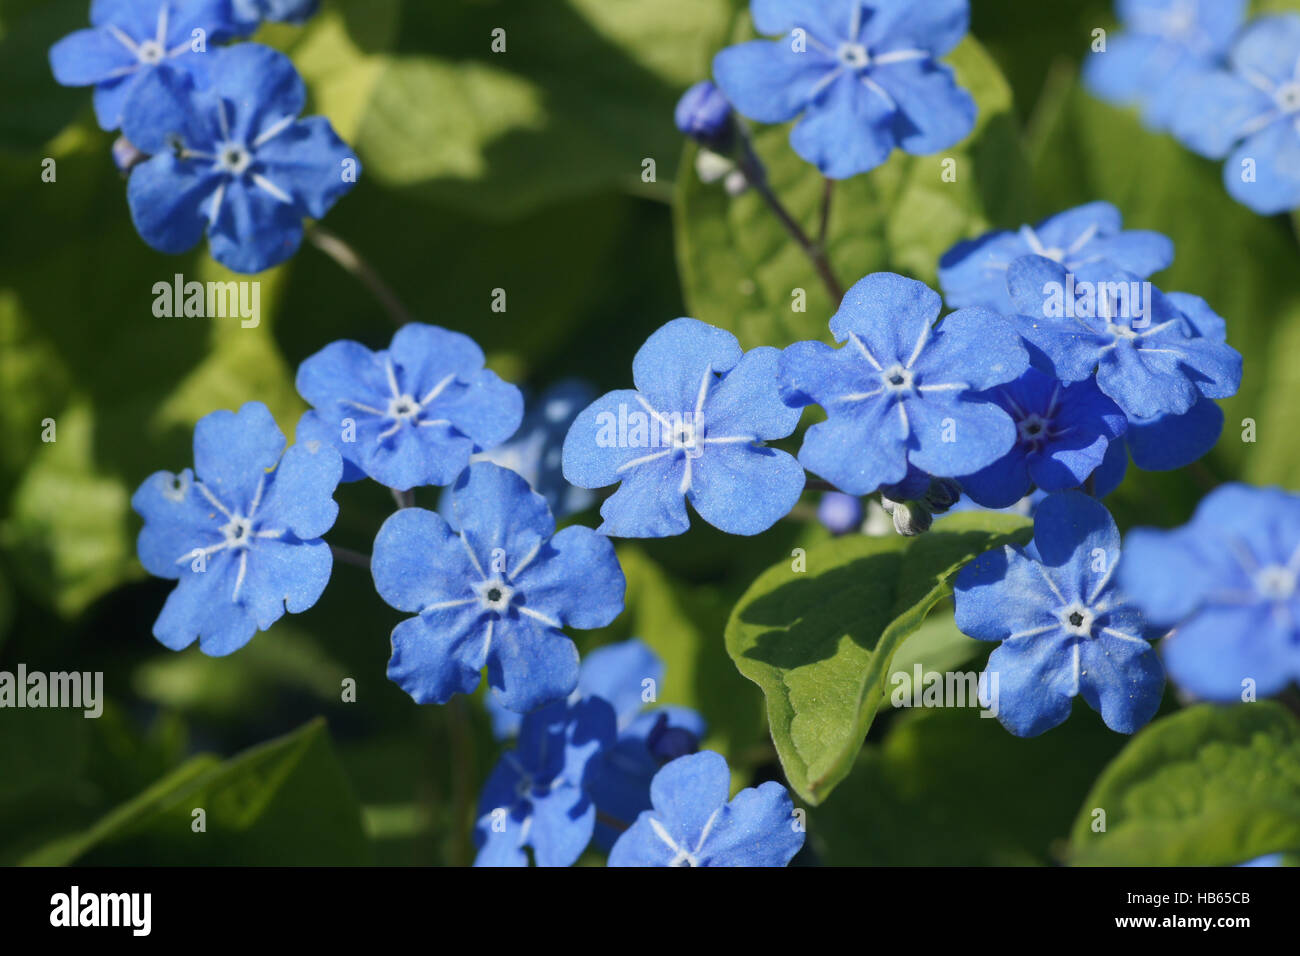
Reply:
x=131, y=39
x=493, y=591
x=1062, y=435
x=232, y=159
x=1252, y=111
x=1147, y=349
x=240, y=533
x=695, y=428
x=691, y=822
x=537, y=796
x=1165, y=44
x=252, y=12
x=974, y=272
x=411, y=414
x=1065, y=627
x=1228, y=582
x=903, y=395
x=864, y=74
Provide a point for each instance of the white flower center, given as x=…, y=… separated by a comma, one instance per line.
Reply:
x=684, y=437
x=853, y=55
x=495, y=595
x=238, y=531
x=1287, y=97
x=150, y=52
x=1033, y=428
x=897, y=378
x=1275, y=582
x=1077, y=620
x=234, y=158
x=403, y=407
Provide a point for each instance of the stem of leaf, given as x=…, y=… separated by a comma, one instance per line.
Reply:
x=348, y=556
x=754, y=172
x=353, y=263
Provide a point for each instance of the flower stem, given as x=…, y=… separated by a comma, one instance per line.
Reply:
x=823, y=229
x=353, y=263
x=754, y=172
x=348, y=556
x=404, y=499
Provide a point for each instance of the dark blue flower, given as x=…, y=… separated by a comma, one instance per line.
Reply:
x=864, y=74
x=1165, y=43
x=1065, y=628
x=411, y=414
x=240, y=533
x=1147, y=353
x=974, y=271
x=538, y=794
x=132, y=39
x=232, y=159
x=704, y=115
x=1062, y=434
x=694, y=427
x=903, y=396
x=693, y=824
x=494, y=592
x=252, y=12
x=1227, y=583
x=627, y=676
x=1251, y=111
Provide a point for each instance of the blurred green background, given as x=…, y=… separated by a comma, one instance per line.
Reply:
x=519, y=171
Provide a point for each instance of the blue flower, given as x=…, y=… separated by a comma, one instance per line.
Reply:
x=240, y=533
x=903, y=396
x=1251, y=110
x=695, y=428
x=409, y=415
x=974, y=271
x=537, y=449
x=1227, y=583
x=232, y=159
x=252, y=12
x=840, y=513
x=132, y=39
x=693, y=824
x=495, y=592
x=621, y=675
x=1147, y=351
x=704, y=115
x=538, y=794
x=864, y=74
x=1164, y=45
x=1064, y=626
x=1062, y=434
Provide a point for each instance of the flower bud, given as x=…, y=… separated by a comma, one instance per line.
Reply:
x=704, y=115
x=840, y=513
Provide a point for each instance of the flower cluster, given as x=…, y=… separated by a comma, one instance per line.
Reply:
x=1223, y=86
x=211, y=135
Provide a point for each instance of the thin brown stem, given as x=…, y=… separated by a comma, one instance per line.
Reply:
x=752, y=166
x=348, y=556
x=352, y=262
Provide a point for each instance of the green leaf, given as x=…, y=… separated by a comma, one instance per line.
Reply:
x=581, y=96
x=284, y=802
x=819, y=641
x=1207, y=786
x=740, y=269
x=948, y=787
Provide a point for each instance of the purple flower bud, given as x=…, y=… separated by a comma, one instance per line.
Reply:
x=840, y=513
x=704, y=115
